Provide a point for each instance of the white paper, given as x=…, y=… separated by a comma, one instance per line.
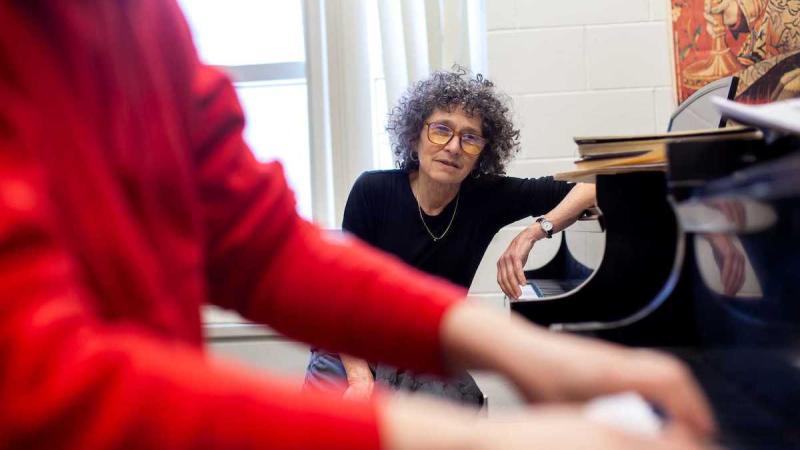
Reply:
x=782, y=116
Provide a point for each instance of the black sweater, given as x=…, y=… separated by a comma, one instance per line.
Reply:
x=383, y=211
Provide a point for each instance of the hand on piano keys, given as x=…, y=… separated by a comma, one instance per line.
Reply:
x=555, y=367
x=573, y=368
x=627, y=411
x=568, y=428
x=553, y=427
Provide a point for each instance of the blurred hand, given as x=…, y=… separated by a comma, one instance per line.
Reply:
x=578, y=369
x=414, y=423
x=562, y=427
x=510, y=275
x=548, y=366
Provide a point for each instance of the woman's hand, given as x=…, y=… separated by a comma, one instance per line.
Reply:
x=561, y=427
x=509, y=267
x=359, y=390
x=416, y=423
x=510, y=275
x=360, y=381
x=548, y=366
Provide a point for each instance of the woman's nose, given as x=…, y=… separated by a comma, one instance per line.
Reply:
x=454, y=146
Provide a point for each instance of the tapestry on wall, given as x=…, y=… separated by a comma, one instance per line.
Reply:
x=756, y=40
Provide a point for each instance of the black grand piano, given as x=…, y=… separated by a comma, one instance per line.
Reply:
x=702, y=261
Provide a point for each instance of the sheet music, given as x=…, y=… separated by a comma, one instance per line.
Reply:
x=783, y=115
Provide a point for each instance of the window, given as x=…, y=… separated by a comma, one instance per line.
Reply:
x=260, y=43
x=383, y=156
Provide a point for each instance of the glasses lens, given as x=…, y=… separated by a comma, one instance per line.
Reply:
x=439, y=134
x=472, y=144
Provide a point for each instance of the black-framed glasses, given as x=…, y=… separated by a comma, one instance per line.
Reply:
x=441, y=134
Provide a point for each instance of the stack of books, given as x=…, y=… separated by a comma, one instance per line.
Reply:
x=602, y=155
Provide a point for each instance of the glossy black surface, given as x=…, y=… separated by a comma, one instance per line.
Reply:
x=621, y=274
x=706, y=260
x=745, y=279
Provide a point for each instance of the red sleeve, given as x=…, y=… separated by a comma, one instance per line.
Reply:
x=275, y=268
x=70, y=380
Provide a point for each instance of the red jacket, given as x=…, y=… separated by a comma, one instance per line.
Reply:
x=127, y=200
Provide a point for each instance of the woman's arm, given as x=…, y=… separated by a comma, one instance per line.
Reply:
x=510, y=275
x=359, y=377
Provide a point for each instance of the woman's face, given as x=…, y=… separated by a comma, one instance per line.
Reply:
x=448, y=163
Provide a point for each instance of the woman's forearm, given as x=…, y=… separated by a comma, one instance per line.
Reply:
x=357, y=369
x=581, y=197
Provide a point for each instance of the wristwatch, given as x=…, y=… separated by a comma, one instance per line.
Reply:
x=546, y=225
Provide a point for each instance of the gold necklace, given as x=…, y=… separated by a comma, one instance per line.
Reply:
x=433, y=236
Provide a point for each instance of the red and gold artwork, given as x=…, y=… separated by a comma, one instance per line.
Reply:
x=756, y=40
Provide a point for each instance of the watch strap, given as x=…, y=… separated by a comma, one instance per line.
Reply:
x=548, y=232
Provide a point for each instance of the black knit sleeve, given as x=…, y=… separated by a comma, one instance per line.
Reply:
x=517, y=198
x=358, y=211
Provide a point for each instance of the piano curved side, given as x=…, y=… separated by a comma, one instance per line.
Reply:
x=642, y=260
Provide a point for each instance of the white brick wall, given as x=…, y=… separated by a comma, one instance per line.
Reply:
x=578, y=67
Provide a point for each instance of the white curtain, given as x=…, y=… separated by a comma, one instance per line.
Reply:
x=421, y=36
x=415, y=37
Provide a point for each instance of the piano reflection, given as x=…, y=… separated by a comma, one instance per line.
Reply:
x=702, y=261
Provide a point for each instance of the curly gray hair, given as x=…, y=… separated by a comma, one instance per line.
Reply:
x=447, y=90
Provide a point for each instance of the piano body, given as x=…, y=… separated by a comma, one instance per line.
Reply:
x=704, y=262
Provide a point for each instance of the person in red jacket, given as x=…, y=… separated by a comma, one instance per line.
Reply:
x=128, y=199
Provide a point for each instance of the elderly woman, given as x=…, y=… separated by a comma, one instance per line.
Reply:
x=452, y=137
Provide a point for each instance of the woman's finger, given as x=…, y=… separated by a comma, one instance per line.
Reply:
x=502, y=278
x=672, y=386
x=510, y=277
x=519, y=273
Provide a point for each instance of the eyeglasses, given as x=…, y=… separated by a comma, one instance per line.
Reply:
x=441, y=134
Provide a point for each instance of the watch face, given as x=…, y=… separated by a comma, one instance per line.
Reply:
x=547, y=226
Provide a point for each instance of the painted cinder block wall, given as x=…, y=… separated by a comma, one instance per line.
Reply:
x=581, y=67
